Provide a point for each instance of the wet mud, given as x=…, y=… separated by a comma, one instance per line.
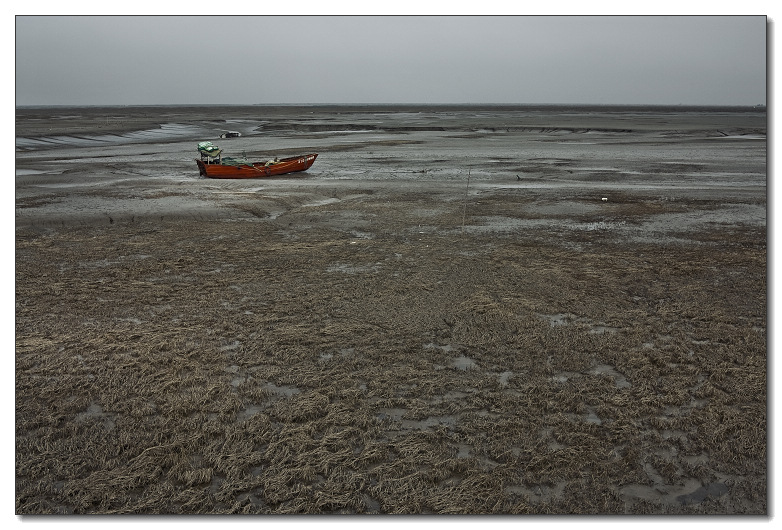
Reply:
x=455, y=310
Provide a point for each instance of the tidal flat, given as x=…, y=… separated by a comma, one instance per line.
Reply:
x=457, y=309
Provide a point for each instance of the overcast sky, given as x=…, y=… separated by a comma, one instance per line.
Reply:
x=118, y=60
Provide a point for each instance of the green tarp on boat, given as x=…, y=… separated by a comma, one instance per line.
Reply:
x=228, y=161
x=208, y=148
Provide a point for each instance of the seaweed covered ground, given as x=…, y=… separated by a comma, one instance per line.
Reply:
x=366, y=347
x=228, y=367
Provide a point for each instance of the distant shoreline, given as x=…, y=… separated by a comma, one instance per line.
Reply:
x=406, y=106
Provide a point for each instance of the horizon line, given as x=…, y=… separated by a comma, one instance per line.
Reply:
x=380, y=104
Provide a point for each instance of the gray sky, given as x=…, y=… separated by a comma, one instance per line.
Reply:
x=118, y=60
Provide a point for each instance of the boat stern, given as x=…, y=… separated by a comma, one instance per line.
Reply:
x=201, y=167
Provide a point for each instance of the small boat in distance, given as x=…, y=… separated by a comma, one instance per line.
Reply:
x=213, y=165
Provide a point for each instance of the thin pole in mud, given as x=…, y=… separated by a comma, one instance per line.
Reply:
x=464, y=213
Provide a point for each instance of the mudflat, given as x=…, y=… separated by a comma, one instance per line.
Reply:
x=515, y=310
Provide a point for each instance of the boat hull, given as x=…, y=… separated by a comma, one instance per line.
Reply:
x=293, y=164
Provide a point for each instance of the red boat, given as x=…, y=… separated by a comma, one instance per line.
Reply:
x=213, y=165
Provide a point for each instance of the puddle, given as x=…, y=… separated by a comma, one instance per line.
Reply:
x=698, y=340
x=672, y=434
x=283, y=390
x=249, y=412
x=372, y=505
x=228, y=347
x=347, y=268
x=562, y=377
x=505, y=377
x=742, y=137
x=539, y=492
x=606, y=369
x=559, y=319
x=95, y=411
x=25, y=172
x=696, y=459
x=431, y=421
x=565, y=319
x=322, y=202
x=715, y=489
x=166, y=131
x=393, y=414
x=591, y=417
x=598, y=225
x=358, y=234
x=685, y=408
x=691, y=492
x=463, y=363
